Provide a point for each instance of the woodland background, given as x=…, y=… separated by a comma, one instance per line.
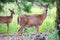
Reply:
x=30, y=7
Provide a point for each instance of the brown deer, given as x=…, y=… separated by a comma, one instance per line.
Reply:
x=7, y=19
x=32, y=20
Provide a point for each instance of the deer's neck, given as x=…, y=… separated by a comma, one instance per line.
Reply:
x=44, y=14
x=11, y=14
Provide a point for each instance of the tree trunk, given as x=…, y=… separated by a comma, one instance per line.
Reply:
x=58, y=17
x=18, y=2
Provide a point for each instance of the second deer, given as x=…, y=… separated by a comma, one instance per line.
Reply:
x=7, y=19
x=32, y=20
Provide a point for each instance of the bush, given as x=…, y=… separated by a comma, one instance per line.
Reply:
x=4, y=1
x=1, y=7
x=27, y=6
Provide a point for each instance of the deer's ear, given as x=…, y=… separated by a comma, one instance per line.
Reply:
x=48, y=5
x=9, y=9
x=13, y=9
x=42, y=4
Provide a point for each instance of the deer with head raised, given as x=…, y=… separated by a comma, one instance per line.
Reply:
x=7, y=19
x=32, y=20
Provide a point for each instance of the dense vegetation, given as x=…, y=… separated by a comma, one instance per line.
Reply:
x=47, y=26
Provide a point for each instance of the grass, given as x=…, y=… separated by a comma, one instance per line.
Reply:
x=47, y=26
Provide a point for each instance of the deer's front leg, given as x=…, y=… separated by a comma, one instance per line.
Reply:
x=37, y=29
x=7, y=27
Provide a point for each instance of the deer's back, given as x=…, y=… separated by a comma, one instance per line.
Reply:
x=30, y=20
x=5, y=19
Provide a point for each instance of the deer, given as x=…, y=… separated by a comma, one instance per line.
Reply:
x=7, y=19
x=26, y=20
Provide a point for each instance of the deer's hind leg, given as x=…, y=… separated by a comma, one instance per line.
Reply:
x=20, y=29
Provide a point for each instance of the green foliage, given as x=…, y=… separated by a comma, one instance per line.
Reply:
x=31, y=1
x=24, y=5
x=1, y=7
x=27, y=6
x=53, y=35
x=4, y=1
x=58, y=2
x=11, y=1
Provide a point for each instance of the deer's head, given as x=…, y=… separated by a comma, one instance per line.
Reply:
x=45, y=6
x=12, y=11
